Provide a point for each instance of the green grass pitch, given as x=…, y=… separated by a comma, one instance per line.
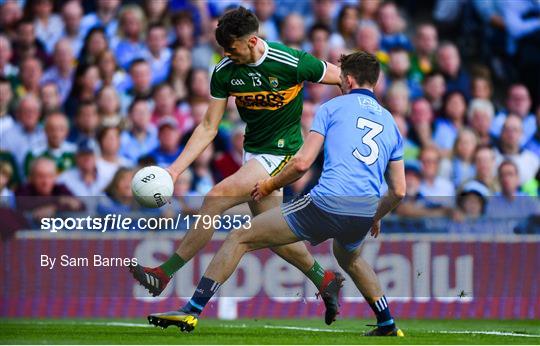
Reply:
x=265, y=331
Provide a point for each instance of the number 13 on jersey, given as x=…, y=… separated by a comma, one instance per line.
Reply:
x=367, y=139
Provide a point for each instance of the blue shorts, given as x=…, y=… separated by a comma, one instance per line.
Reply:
x=309, y=222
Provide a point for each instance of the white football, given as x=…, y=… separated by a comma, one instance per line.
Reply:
x=152, y=187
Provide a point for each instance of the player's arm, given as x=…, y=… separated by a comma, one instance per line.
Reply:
x=202, y=136
x=294, y=169
x=395, y=178
x=332, y=75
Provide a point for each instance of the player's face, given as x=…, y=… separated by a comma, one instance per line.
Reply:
x=241, y=50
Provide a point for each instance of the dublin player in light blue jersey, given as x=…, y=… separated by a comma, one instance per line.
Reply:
x=362, y=147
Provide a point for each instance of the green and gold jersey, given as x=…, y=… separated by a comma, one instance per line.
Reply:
x=269, y=96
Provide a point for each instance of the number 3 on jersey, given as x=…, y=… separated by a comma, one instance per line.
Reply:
x=367, y=139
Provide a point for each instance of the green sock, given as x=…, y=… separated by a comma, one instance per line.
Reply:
x=316, y=274
x=173, y=264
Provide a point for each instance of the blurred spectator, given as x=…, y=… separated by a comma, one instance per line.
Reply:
x=415, y=204
x=459, y=167
x=109, y=144
x=141, y=81
x=58, y=149
x=157, y=11
x=228, y=162
x=434, y=187
x=198, y=83
x=132, y=26
x=203, y=177
x=293, y=31
x=447, y=128
x=471, y=201
x=533, y=144
x=523, y=28
x=449, y=63
x=480, y=115
x=399, y=69
x=518, y=102
x=109, y=73
x=165, y=106
x=88, y=178
x=44, y=196
x=95, y=43
x=85, y=124
x=85, y=84
x=368, y=9
x=323, y=12
x=49, y=94
x=397, y=99
x=72, y=13
x=410, y=149
x=7, y=198
x=7, y=70
x=510, y=202
x=510, y=149
x=368, y=39
x=6, y=96
x=264, y=10
x=48, y=25
x=61, y=72
x=434, y=89
x=184, y=29
x=485, y=166
x=392, y=27
x=308, y=114
x=31, y=72
x=26, y=133
x=141, y=138
x=186, y=200
x=481, y=86
x=118, y=195
x=421, y=120
x=10, y=14
x=169, y=142
x=105, y=17
x=26, y=44
x=178, y=72
x=157, y=52
x=318, y=39
x=108, y=106
x=423, y=58
x=347, y=25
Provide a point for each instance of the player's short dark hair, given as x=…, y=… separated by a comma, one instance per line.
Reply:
x=235, y=24
x=362, y=66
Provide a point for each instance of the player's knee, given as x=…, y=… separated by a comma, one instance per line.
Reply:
x=237, y=238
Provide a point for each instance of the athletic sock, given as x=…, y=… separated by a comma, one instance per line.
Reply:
x=316, y=274
x=173, y=264
x=204, y=291
x=382, y=311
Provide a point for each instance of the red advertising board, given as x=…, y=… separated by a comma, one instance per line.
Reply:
x=424, y=276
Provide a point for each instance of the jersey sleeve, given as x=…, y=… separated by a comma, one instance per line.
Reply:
x=310, y=68
x=397, y=152
x=218, y=85
x=321, y=121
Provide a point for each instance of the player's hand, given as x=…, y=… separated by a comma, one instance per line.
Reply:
x=174, y=175
x=261, y=189
x=376, y=229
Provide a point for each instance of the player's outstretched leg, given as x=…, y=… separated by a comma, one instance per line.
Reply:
x=367, y=283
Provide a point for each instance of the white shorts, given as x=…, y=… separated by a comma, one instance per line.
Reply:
x=273, y=164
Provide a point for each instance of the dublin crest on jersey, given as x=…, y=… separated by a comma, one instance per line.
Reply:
x=273, y=82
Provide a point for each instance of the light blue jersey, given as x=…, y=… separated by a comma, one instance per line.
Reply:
x=361, y=137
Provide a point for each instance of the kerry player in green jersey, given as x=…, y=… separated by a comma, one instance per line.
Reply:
x=266, y=80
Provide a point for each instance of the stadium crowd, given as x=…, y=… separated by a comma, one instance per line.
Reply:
x=90, y=91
